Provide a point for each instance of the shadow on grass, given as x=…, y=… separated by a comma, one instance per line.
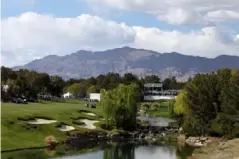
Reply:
x=29, y=117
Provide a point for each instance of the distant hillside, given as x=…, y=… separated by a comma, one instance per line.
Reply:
x=137, y=61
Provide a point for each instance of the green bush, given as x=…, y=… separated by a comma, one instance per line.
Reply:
x=145, y=106
x=216, y=128
x=235, y=132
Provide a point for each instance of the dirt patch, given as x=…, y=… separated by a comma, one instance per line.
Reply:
x=219, y=150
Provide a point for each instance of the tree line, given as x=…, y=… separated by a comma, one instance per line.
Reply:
x=30, y=84
x=209, y=104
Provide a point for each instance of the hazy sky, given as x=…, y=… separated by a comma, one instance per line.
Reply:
x=32, y=29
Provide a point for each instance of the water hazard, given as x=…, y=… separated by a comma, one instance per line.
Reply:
x=108, y=150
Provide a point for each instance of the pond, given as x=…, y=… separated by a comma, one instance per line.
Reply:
x=110, y=150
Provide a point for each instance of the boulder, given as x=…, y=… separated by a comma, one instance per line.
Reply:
x=162, y=134
x=141, y=136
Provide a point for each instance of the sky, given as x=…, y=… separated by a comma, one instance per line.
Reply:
x=32, y=29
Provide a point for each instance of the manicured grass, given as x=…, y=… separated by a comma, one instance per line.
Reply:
x=17, y=133
x=161, y=111
x=156, y=113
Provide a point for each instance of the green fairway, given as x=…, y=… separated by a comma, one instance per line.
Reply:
x=160, y=111
x=17, y=133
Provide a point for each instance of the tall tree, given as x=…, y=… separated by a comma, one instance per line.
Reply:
x=56, y=86
x=120, y=105
x=180, y=104
x=229, y=117
x=202, y=102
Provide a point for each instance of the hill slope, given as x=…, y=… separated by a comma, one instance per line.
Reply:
x=138, y=61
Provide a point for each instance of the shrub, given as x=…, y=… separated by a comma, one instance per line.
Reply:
x=216, y=128
x=106, y=126
x=145, y=106
x=50, y=141
x=155, y=107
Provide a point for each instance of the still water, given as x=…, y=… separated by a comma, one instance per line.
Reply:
x=105, y=151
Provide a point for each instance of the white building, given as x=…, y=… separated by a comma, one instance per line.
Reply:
x=154, y=91
x=95, y=96
x=67, y=95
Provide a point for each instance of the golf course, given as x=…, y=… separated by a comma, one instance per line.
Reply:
x=27, y=125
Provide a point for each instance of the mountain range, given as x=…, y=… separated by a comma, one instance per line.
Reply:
x=141, y=62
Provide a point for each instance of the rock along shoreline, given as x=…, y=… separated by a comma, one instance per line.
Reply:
x=143, y=134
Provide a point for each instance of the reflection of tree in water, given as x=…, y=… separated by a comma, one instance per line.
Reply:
x=183, y=152
x=125, y=151
x=25, y=154
x=152, y=149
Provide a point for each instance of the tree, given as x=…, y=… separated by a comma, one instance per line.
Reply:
x=228, y=119
x=14, y=89
x=112, y=80
x=166, y=84
x=172, y=83
x=99, y=81
x=42, y=83
x=179, y=107
x=120, y=105
x=56, y=86
x=129, y=78
x=92, y=89
x=180, y=104
x=7, y=73
x=77, y=89
x=91, y=81
x=202, y=102
x=211, y=104
x=151, y=79
x=171, y=103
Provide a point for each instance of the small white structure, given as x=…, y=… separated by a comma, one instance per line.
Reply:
x=95, y=96
x=5, y=88
x=67, y=95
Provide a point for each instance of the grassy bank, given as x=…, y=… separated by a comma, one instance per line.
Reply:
x=17, y=133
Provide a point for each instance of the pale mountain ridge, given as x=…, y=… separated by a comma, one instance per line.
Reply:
x=141, y=62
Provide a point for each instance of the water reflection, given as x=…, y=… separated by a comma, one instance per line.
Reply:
x=126, y=151
x=105, y=151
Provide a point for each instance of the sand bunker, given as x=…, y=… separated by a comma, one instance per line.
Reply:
x=89, y=124
x=66, y=128
x=90, y=114
x=41, y=121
